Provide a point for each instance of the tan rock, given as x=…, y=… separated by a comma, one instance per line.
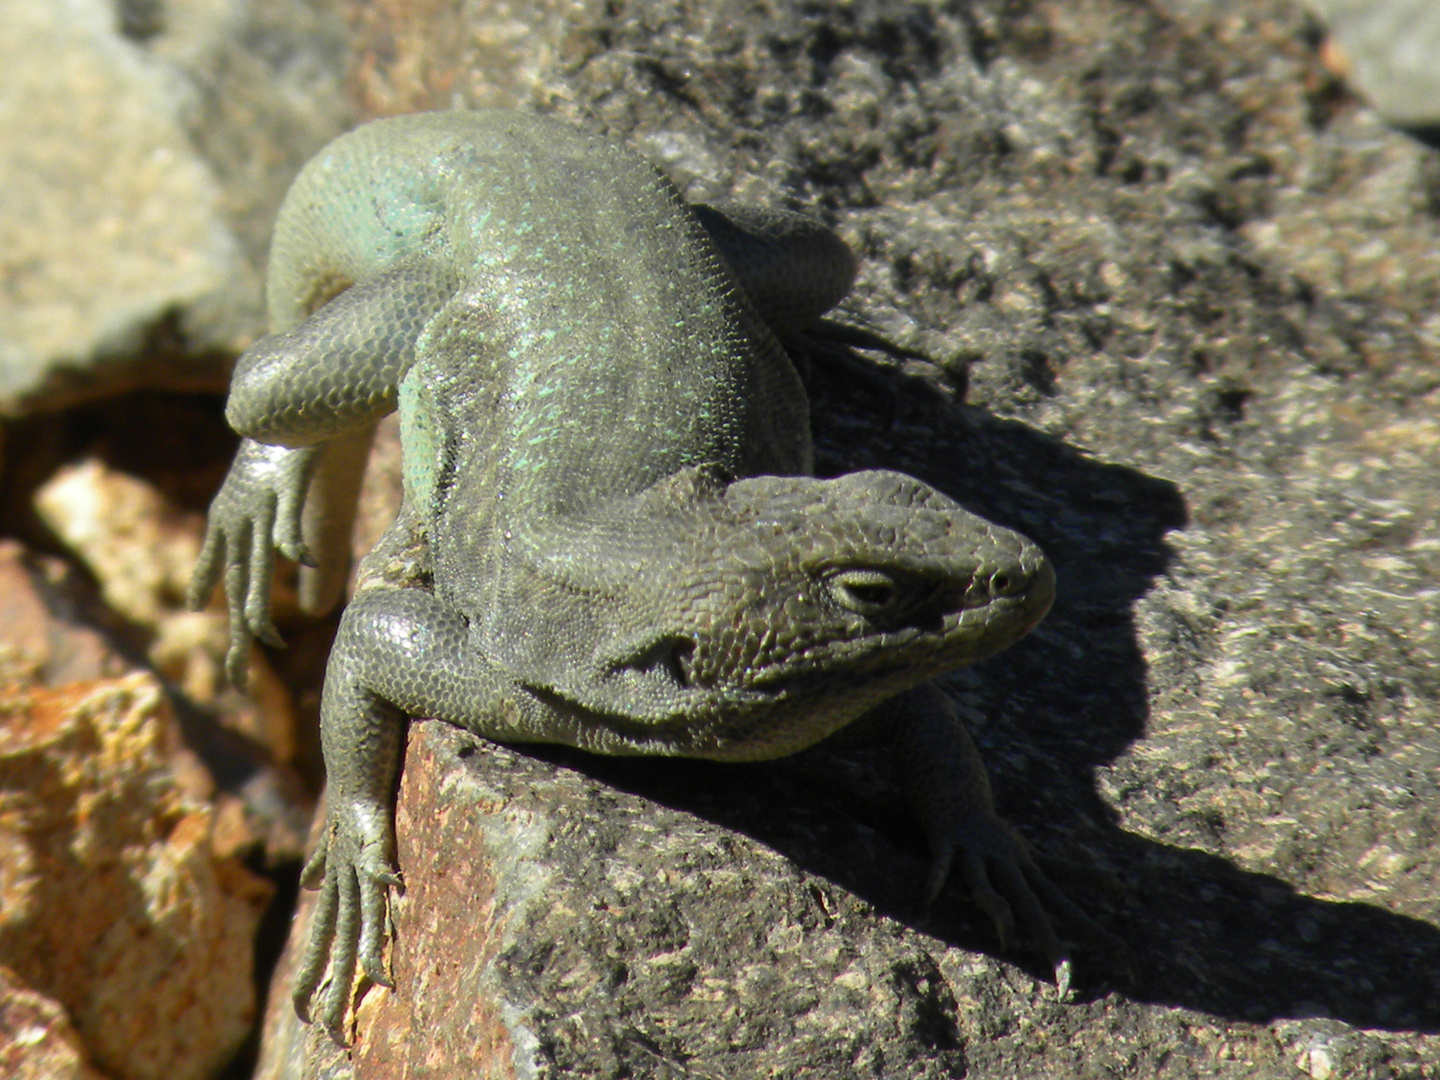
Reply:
x=41, y=636
x=114, y=901
x=139, y=549
x=37, y=1040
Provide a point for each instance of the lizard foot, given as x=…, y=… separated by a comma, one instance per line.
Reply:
x=836, y=353
x=1008, y=882
x=837, y=346
x=351, y=921
x=256, y=511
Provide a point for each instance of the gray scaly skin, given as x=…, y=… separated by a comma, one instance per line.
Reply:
x=609, y=537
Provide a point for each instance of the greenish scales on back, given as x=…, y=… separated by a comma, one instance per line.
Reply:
x=608, y=537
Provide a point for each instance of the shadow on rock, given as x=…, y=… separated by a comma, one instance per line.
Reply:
x=1047, y=713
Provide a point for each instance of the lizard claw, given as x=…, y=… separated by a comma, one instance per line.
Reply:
x=289, y=519
x=940, y=863
x=300, y=553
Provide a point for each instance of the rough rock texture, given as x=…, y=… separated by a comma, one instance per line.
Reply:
x=564, y=936
x=1180, y=294
x=115, y=900
x=141, y=146
x=45, y=635
x=37, y=1041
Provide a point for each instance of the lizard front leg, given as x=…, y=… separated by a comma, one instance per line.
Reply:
x=306, y=400
x=949, y=792
x=399, y=651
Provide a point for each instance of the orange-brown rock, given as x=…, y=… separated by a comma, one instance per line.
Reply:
x=115, y=903
x=37, y=1040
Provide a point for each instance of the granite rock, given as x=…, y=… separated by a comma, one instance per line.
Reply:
x=1178, y=291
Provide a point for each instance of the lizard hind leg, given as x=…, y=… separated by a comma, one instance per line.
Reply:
x=793, y=269
x=354, y=863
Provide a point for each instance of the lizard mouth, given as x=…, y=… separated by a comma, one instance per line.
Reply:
x=775, y=712
x=670, y=698
x=929, y=648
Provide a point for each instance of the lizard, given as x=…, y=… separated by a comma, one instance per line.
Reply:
x=609, y=534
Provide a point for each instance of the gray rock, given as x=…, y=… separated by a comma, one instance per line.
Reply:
x=131, y=241
x=1391, y=52
x=1180, y=300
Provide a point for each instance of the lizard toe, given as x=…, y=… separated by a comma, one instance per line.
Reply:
x=374, y=926
x=317, y=951
x=207, y=569
x=344, y=951
x=1073, y=916
x=985, y=896
x=1087, y=874
x=313, y=876
x=237, y=658
x=1016, y=876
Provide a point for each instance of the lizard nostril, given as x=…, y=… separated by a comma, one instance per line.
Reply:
x=682, y=661
x=1008, y=582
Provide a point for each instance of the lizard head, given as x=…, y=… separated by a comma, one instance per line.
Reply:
x=748, y=619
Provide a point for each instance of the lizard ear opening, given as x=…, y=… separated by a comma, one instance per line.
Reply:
x=664, y=664
x=645, y=685
x=698, y=483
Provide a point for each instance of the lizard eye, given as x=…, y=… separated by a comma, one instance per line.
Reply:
x=865, y=592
